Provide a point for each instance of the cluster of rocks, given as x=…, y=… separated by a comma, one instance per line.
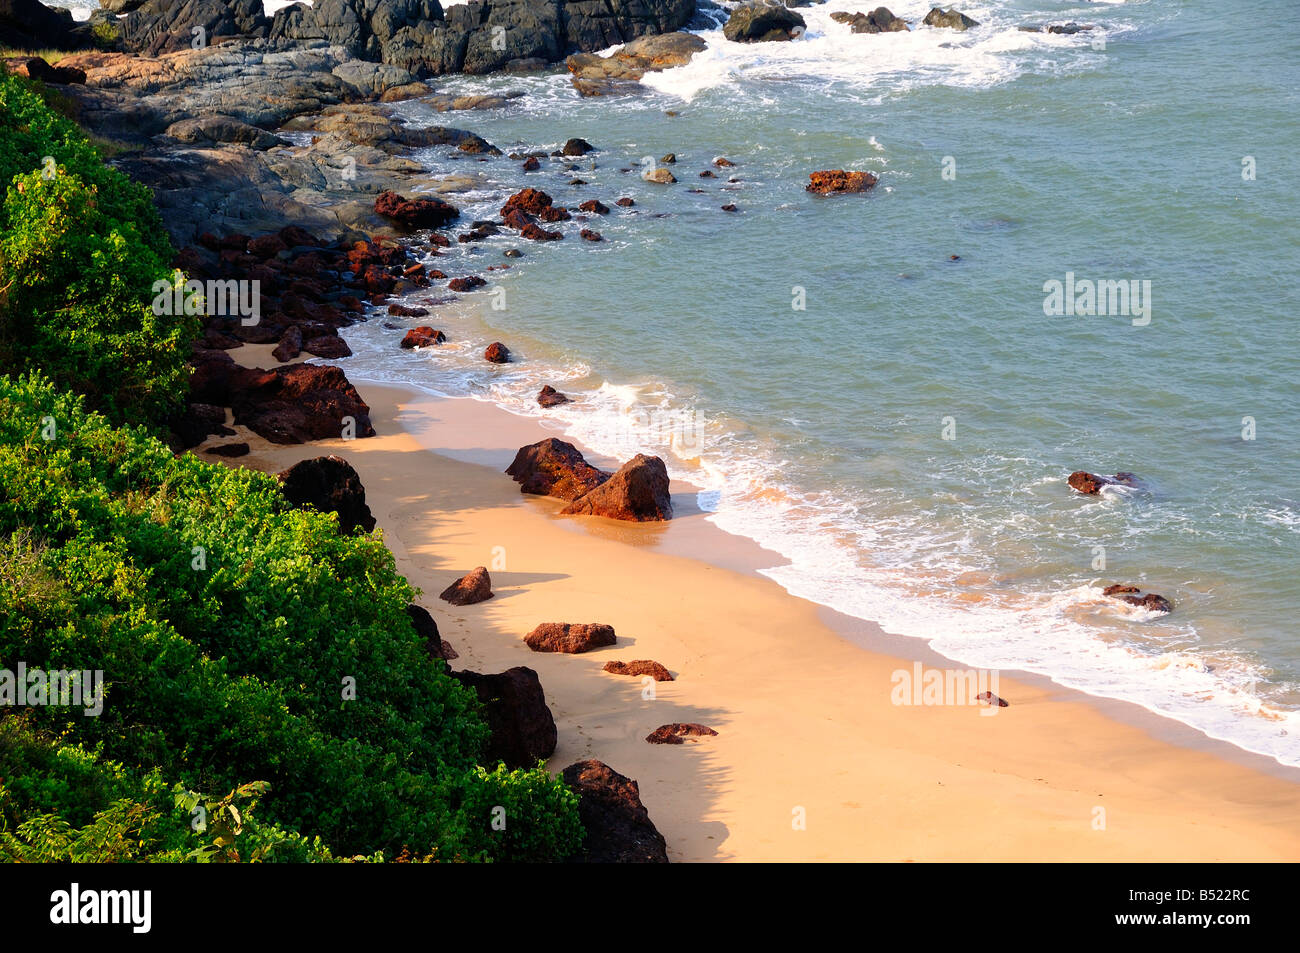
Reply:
x=621, y=71
x=638, y=491
x=415, y=35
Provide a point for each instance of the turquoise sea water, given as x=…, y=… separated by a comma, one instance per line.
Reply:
x=1116, y=154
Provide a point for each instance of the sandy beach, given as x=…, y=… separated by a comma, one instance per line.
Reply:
x=813, y=759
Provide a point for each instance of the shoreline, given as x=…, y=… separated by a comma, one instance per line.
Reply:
x=799, y=694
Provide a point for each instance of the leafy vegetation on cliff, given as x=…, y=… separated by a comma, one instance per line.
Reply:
x=264, y=694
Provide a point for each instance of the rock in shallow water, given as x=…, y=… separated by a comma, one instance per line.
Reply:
x=763, y=23
x=837, y=181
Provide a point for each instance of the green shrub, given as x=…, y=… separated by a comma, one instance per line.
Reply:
x=228, y=625
x=81, y=249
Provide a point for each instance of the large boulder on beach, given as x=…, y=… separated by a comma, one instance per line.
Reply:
x=570, y=638
x=839, y=182
x=330, y=485
x=521, y=725
x=552, y=467
x=473, y=587
x=949, y=19
x=763, y=23
x=298, y=403
x=616, y=826
x=637, y=492
x=1090, y=484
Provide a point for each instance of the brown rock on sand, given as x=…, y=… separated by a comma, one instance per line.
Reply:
x=991, y=699
x=475, y=586
x=570, y=638
x=637, y=492
x=552, y=467
x=640, y=667
x=674, y=733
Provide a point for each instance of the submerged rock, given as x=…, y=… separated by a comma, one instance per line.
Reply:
x=422, y=336
x=949, y=19
x=548, y=396
x=837, y=181
x=1091, y=484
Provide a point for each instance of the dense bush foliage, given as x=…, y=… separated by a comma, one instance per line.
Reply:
x=80, y=249
x=230, y=627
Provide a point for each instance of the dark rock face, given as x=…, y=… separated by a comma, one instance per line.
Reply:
x=427, y=629
x=637, y=492
x=548, y=396
x=761, y=23
x=295, y=403
x=419, y=36
x=468, y=283
x=640, y=667
x=37, y=68
x=522, y=727
x=674, y=733
x=951, y=19
x=473, y=587
x=552, y=467
x=577, y=147
x=618, y=827
x=837, y=181
x=229, y=450
x=331, y=485
x=31, y=25
x=415, y=213
x=166, y=26
x=569, y=637
x=198, y=422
